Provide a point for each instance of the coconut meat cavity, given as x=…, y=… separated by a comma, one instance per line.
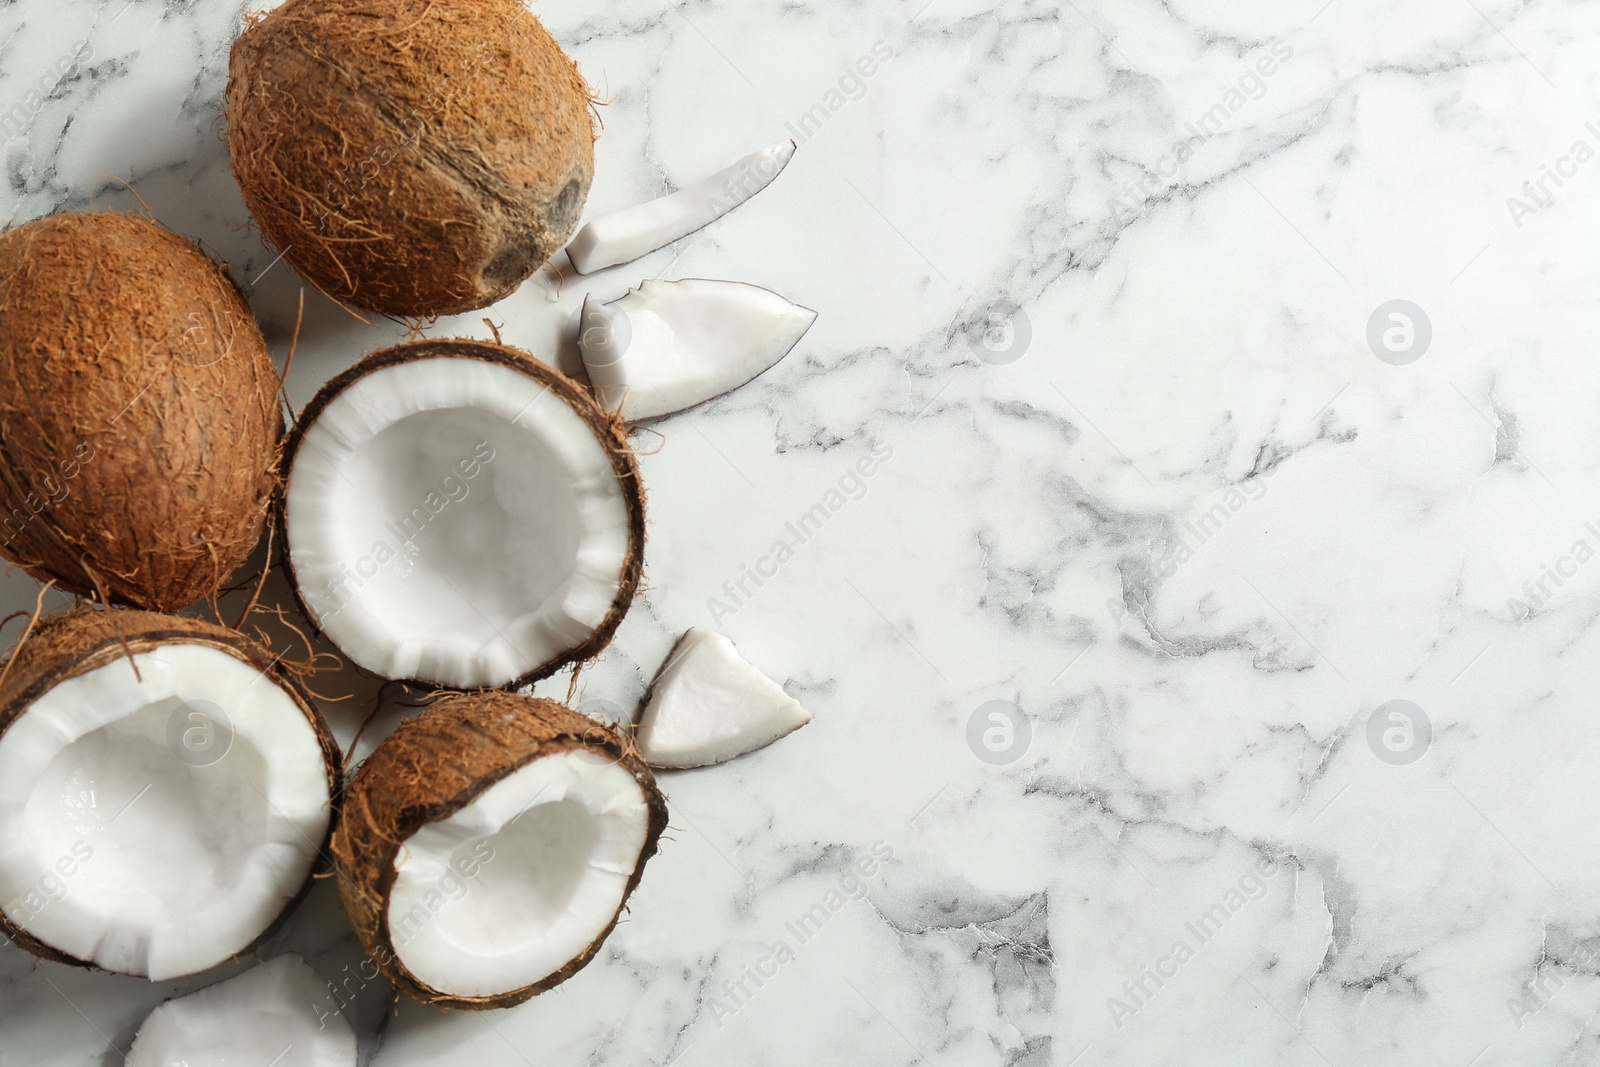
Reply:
x=452, y=519
x=513, y=886
x=157, y=823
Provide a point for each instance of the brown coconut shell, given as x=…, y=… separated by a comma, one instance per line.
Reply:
x=610, y=430
x=139, y=420
x=414, y=157
x=78, y=641
x=433, y=766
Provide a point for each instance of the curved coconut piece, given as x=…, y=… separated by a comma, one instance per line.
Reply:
x=282, y=1006
x=625, y=235
x=457, y=513
x=139, y=421
x=411, y=157
x=490, y=844
x=667, y=346
x=709, y=705
x=165, y=792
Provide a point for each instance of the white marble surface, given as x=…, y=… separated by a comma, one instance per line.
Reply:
x=1197, y=694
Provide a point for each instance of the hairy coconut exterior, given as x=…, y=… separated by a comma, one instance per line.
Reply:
x=433, y=766
x=609, y=430
x=76, y=642
x=414, y=157
x=139, y=420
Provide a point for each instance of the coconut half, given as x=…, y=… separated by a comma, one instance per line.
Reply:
x=279, y=1013
x=627, y=234
x=459, y=514
x=709, y=705
x=165, y=792
x=667, y=346
x=490, y=844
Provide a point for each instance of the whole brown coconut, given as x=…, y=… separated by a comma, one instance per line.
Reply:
x=139, y=421
x=414, y=157
x=80, y=641
x=431, y=768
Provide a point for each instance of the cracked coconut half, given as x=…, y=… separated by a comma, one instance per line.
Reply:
x=165, y=792
x=459, y=514
x=490, y=844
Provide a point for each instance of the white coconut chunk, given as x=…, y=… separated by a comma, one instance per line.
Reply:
x=453, y=520
x=521, y=881
x=280, y=1013
x=128, y=841
x=667, y=346
x=631, y=232
x=709, y=705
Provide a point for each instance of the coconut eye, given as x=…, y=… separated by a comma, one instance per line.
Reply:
x=459, y=514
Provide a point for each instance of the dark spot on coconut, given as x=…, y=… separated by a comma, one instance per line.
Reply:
x=511, y=265
x=564, y=213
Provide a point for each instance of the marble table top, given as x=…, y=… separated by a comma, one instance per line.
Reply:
x=1206, y=675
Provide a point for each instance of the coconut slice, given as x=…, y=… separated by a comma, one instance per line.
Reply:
x=709, y=705
x=165, y=792
x=667, y=346
x=631, y=232
x=278, y=1013
x=490, y=845
x=459, y=514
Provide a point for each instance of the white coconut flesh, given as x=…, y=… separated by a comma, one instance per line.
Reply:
x=518, y=883
x=709, y=705
x=627, y=234
x=667, y=346
x=455, y=521
x=279, y=1013
x=157, y=824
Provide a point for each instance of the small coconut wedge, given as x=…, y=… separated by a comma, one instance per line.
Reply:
x=625, y=235
x=280, y=1009
x=165, y=792
x=709, y=705
x=459, y=514
x=490, y=844
x=667, y=346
